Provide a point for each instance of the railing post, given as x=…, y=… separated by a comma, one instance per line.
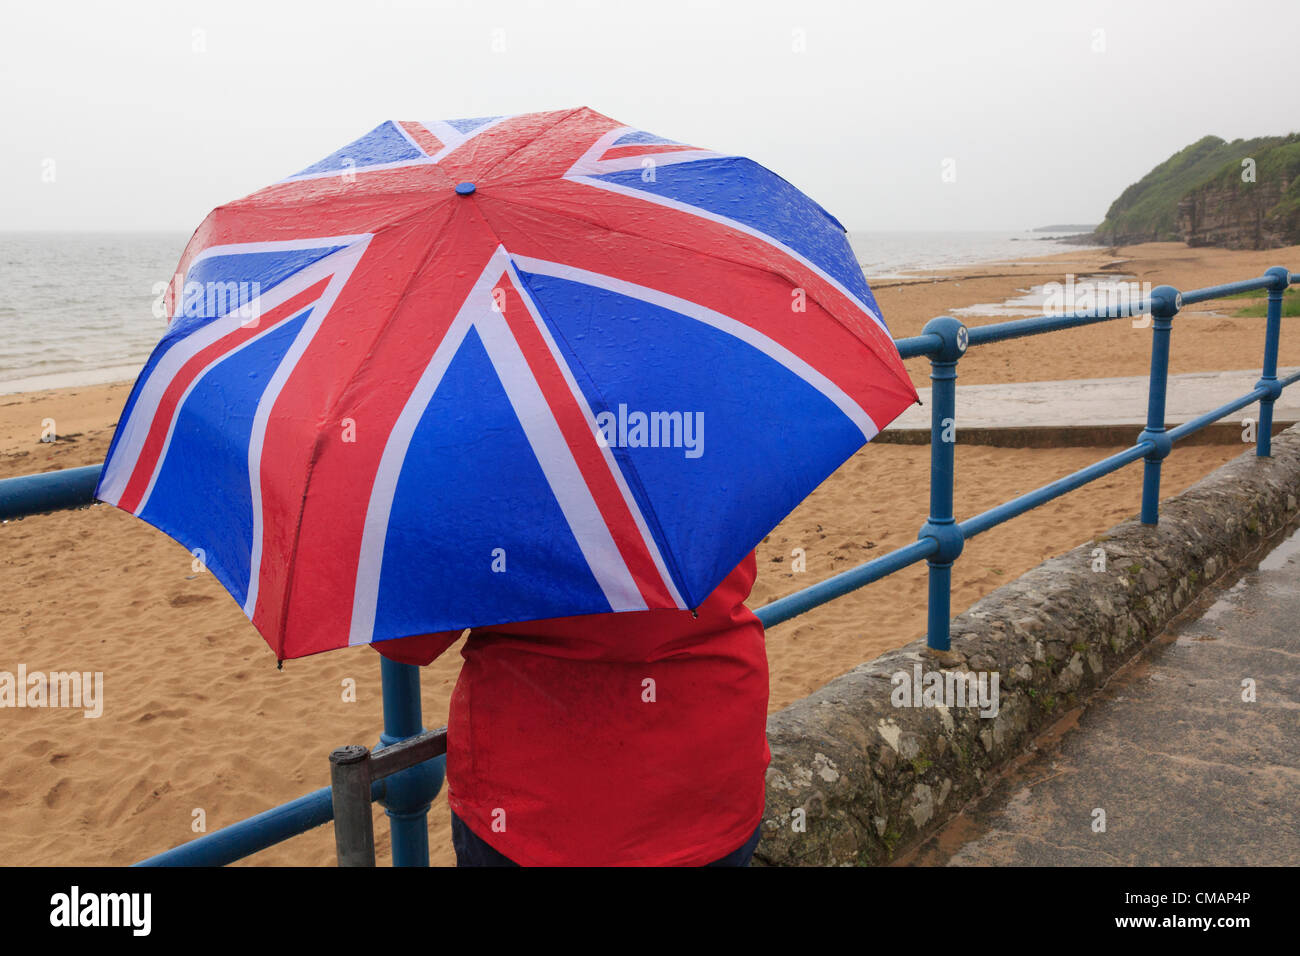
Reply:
x=1273, y=331
x=1165, y=303
x=941, y=525
x=407, y=794
x=354, y=832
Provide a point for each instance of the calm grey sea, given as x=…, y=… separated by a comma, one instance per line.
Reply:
x=77, y=308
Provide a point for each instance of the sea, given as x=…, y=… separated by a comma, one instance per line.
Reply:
x=83, y=308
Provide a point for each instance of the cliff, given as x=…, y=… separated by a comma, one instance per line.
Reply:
x=1204, y=195
x=1264, y=214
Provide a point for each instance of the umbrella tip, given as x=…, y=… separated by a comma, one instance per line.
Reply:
x=464, y=189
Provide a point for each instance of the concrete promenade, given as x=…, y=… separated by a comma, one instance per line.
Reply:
x=1169, y=764
x=1091, y=410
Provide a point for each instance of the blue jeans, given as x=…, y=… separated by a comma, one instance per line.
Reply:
x=473, y=851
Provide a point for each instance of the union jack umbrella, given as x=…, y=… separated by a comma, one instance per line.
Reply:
x=487, y=370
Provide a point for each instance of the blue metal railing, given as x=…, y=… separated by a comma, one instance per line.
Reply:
x=407, y=795
x=945, y=341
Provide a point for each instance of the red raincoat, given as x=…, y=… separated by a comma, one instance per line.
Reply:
x=636, y=738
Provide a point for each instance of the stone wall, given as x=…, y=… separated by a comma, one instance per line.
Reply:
x=854, y=778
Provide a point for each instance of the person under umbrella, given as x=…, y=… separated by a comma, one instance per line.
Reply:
x=548, y=377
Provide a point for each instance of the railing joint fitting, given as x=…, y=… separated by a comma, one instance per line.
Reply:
x=1161, y=441
x=1273, y=387
x=1165, y=302
x=948, y=536
x=953, y=334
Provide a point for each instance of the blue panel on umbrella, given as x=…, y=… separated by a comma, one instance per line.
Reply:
x=768, y=438
x=256, y=272
x=263, y=269
x=202, y=497
x=469, y=458
x=383, y=144
x=742, y=190
x=641, y=137
x=218, y=285
x=469, y=125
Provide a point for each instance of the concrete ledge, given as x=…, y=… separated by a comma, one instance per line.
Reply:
x=855, y=779
x=1084, y=402
x=1069, y=436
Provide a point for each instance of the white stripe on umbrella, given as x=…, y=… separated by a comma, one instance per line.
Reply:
x=590, y=164
x=345, y=260
x=739, y=227
x=558, y=464
x=542, y=432
x=133, y=433
x=651, y=546
x=855, y=412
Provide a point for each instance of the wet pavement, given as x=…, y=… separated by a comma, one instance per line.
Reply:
x=1190, y=756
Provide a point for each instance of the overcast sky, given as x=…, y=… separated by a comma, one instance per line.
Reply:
x=148, y=114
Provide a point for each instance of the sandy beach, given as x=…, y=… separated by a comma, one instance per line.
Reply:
x=197, y=719
x=1205, y=337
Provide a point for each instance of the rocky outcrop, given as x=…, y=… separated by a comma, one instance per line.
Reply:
x=1243, y=194
x=858, y=774
x=1239, y=216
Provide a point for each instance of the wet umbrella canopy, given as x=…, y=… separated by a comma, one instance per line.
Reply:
x=477, y=371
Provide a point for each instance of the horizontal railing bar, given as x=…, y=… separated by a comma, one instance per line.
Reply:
x=407, y=753
x=1018, y=506
x=918, y=345
x=1209, y=418
x=48, y=491
x=1038, y=324
x=296, y=817
x=255, y=833
x=801, y=601
x=820, y=593
x=1227, y=289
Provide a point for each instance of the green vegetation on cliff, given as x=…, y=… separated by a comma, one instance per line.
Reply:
x=1149, y=209
x=1278, y=164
